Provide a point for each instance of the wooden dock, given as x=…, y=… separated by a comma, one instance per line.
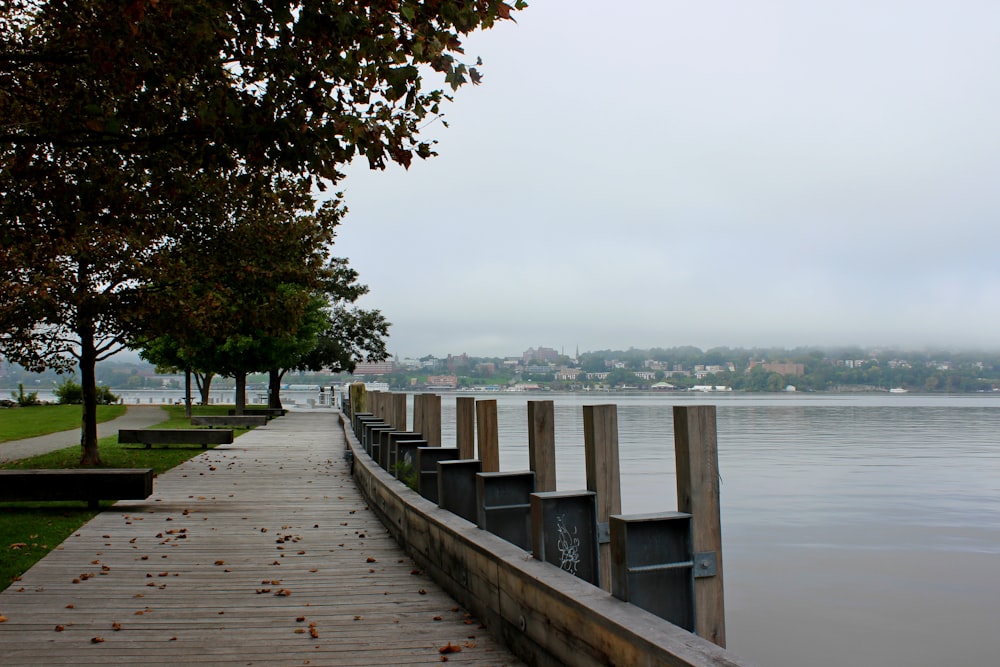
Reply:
x=261, y=552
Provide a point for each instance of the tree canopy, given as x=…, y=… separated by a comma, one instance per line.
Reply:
x=139, y=134
x=302, y=85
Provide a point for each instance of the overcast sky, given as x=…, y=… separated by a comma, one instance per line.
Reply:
x=652, y=173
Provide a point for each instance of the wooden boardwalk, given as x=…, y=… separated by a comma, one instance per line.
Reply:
x=257, y=553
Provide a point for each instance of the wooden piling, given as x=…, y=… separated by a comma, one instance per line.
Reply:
x=697, y=455
x=432, y=420
x=418, y=413
x=398, y=411
x=600, y=440
x=488, y=436
x=465, y=427
x=542, y=444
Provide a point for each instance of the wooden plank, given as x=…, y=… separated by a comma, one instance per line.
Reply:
x=600, y=442
x=488, y=435
x=697, y=455
x=189, y=574
x=465, y=426
x=542, y=444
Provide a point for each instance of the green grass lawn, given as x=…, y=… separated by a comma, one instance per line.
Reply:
x=18, y=423
x=28, y=531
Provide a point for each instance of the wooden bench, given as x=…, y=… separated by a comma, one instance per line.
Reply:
x=270, y=413
x=175, y=436
x=90, y=484
x=240, y=421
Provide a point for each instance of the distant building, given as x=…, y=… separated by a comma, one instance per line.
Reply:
x=374, y=367
x=541, y=354
x=780, y=368
x=442, y=381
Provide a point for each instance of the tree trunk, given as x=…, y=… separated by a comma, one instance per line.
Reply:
x=204, y=382
x=187, y=393
x=90, y=456
x=274, y=388
x=241, y=392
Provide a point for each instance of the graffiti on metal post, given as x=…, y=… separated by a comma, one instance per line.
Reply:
x=568, y=545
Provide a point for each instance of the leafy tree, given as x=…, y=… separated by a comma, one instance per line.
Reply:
x=347, y=335
x=128, y=127
x=302, y=86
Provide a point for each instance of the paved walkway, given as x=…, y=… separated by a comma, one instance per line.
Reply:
x=136, y=416
x=257, y=553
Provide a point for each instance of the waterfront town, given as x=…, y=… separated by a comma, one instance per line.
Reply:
x=849, y=369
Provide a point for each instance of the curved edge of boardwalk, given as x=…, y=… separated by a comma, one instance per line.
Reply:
x=548, y=617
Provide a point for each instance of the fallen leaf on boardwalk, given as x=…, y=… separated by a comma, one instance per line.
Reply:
x=3, y=619
x=300, y=619
x=76, y=581
x=437, y=618
x=300, y=631
x=69, y=606
x=116, y=626
x=450, y=648
x=284, y=592
x=220, y=562
x=60, y=628
x=263, y=590
x=470, y=644
x=358, y=618
x=414, y=572
x=96, y=640
x=422, y=592
x=313, y=633
x=371, y=560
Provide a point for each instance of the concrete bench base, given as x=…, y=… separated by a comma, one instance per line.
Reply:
x=90, y=484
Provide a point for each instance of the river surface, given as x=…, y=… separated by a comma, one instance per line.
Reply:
x=858, y=530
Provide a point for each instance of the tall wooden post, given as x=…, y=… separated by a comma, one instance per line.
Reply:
x=398, y=411
x=697, y=453
x=465, y=427
x=432, y=420
x=418, y=414
x=542, y=444
x=488, y=435
x=600, y=441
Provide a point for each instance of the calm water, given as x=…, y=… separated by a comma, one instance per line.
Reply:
x=857, y=530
